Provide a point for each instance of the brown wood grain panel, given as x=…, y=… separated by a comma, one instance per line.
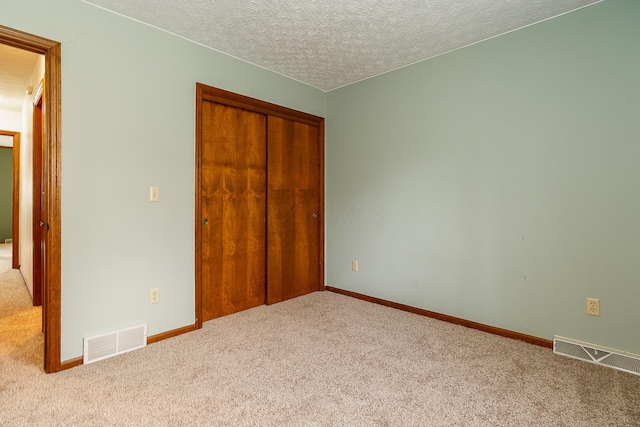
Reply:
x=295, y=240
x=446, y=318
x=52, y=286
x=233, y=199
x=321, y=202
x=198, y=207
x=293, y=210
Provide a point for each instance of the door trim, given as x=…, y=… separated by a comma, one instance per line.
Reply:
x=51, y=304
x=220, y=96
x=15, y=211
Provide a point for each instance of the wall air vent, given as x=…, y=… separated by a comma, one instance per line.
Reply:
x=616, y=359
x=103, y=346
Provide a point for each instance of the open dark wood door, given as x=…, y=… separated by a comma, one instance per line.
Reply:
x=39, y=229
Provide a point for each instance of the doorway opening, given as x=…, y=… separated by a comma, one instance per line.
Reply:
x=51, y=187
x=11, y=139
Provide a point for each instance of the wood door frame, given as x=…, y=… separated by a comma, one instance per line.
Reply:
x=220, y=96
x=15, y=211
x=51, y=303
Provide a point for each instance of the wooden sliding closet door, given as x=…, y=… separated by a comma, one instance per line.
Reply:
x=259, y=203
x=233, y=206
x=293, y=211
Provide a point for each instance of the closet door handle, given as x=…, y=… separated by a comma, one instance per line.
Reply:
x=315, y=214
x=204, y=221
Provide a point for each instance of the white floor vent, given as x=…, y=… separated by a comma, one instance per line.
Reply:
x=103, y=346
x=616, y=359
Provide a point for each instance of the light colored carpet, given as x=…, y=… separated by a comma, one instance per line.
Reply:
x=320, y=360
x=21, y=339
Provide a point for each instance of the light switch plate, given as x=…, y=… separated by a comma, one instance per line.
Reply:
x=154, y=194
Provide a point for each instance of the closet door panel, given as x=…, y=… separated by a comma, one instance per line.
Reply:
x=233, y=202
x=293, y=194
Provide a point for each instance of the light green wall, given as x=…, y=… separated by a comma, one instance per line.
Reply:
x=6, y=193
x=128, y=123
x=499, y=183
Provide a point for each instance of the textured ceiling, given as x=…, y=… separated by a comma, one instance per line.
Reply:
x=332, y=43
x=16, y=67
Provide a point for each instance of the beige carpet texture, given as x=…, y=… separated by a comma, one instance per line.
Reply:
x=320, y=360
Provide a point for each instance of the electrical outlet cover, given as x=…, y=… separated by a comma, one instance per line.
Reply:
x=154, y=296
x=593, y=306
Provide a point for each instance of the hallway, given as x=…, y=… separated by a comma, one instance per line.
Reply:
x=21, y=337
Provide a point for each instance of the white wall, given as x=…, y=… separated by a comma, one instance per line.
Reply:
x=499, y=183
x=10, y=120
x=6, y=141
x=128, y=122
